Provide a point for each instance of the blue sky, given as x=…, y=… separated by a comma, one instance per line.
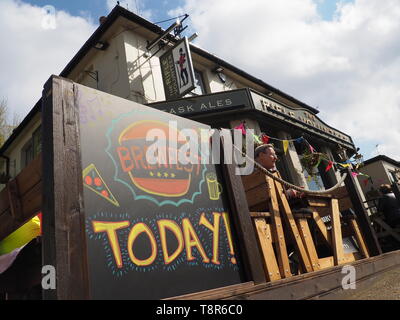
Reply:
x=338, y=56
x=97, y=8
x=159, y=8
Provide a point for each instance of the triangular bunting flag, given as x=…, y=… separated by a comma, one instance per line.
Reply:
x=257, y=139
x=285, y=145
x=265, y=139
x=241, y=127
x=329, y=166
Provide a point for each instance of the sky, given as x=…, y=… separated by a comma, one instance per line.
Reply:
x=339, y=56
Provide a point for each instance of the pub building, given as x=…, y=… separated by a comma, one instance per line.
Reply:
x=117, y=60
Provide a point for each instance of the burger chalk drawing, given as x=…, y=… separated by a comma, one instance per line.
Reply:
x=165, y=182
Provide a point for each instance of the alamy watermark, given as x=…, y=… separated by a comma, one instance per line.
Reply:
x=49, y=277
x=49, y=18
x=349, y=280
x=199, y=146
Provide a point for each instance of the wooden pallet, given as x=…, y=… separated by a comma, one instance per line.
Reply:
x=278, y=227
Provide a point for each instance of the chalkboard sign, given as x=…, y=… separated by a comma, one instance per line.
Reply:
x=153, y=230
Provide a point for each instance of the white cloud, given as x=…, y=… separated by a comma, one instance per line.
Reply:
x=349, y=67
x=30, y=54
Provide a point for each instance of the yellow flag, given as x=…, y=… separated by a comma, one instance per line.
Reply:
x=285, y=145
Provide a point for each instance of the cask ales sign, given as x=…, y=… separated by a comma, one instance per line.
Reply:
x=154, y=229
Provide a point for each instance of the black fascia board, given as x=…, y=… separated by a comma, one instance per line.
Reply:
x=382, y=157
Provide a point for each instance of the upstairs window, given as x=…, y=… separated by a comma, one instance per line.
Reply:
x=32, y=148
x=199, y=83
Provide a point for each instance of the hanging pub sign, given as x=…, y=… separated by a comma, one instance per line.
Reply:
x=153, y=229
x=177, y=70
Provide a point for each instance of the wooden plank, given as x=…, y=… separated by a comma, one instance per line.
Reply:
x=260, y=215
x=388, y=228
x=322, y=228
x=305, y=233
x=337, y=241
x=265, y=241
x=288, y=216
x=362, y=216
x=29, y=203
x=24, y=183
x=14, y=200
x=28, y=178
x=64, y=239
x=242, y=223
x=278, y=234
x=359, y=238
x=340, y=192
x=32, y=202
x=218, y=293
x=303, y=286
x=317, y=204
x=327, y=262
x=253, y=180
x=258, y=196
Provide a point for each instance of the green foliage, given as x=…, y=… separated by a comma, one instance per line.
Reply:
x=310, y=162
x=6, y=128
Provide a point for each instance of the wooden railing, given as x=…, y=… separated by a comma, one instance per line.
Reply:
x=22, y=198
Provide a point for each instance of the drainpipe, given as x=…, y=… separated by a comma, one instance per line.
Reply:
x=7, y=177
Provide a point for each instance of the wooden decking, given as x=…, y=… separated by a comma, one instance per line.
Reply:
x=21, y=199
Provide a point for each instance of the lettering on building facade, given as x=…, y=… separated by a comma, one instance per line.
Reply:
x=301, y=117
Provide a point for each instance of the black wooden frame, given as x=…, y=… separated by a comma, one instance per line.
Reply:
x=362, y=215
x=64, y=238
x=64, y=241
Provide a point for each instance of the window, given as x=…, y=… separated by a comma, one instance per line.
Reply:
x=199, y=83
x=392, y=176
x=32, y=148
x=27, y=153
x=37, y=141
x=318, y=180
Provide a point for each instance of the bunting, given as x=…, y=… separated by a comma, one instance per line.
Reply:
x=285, y=145
x=265, y=139
x=313, y=160
x=329, y=166
x=257, y=139
x=241, y=127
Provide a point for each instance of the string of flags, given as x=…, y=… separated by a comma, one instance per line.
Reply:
x=265, y=139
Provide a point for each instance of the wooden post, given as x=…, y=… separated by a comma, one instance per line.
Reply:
x=277, y=227
x=265, y=242
x=337, y=240
x=292, y=227
x=362, y=216
x=64, y=239
x=242, y=222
